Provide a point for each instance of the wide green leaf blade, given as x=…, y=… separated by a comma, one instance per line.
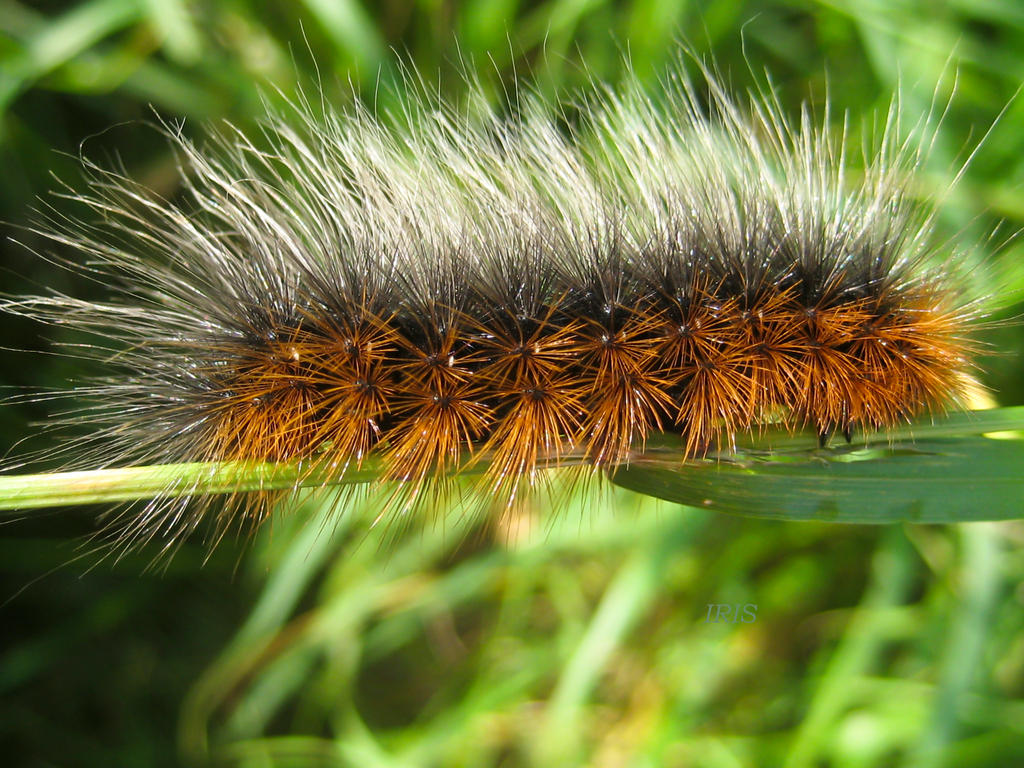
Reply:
x=949, y=471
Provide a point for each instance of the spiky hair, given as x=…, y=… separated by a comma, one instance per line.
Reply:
x=444, y=286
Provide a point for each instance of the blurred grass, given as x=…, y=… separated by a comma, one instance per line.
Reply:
x=569, y=639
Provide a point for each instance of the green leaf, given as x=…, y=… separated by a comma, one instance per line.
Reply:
x=939, y=473
x=352, y=31
x=56, y=42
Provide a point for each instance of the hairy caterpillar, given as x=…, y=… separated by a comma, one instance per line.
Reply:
x=445, y=289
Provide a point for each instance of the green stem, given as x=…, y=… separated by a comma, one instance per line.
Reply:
x=166, y=480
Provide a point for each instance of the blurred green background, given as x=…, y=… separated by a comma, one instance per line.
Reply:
x=576, y=638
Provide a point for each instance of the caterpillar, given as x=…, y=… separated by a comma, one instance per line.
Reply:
x=445, y=288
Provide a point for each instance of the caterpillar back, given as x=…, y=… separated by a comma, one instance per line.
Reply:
x=445, y=290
